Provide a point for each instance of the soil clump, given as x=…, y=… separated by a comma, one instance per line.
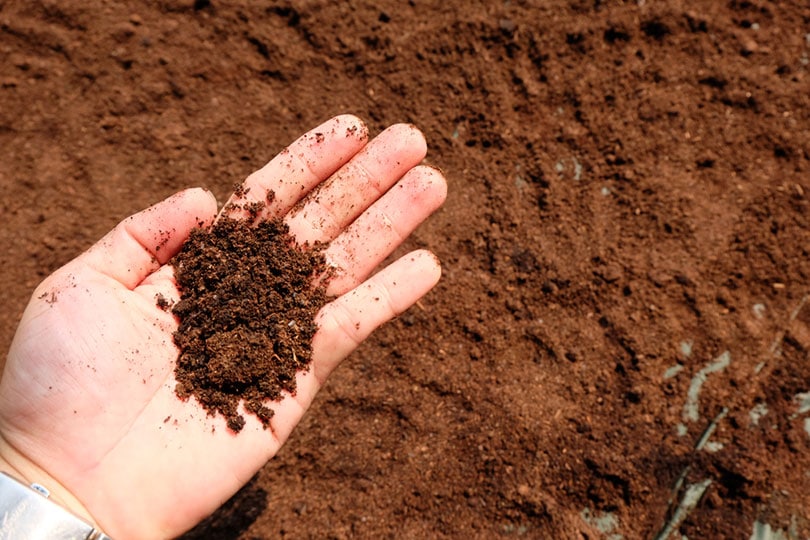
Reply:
x=246, y=315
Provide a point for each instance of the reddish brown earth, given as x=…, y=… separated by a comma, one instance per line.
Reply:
x=246, y=314
x=629, y=189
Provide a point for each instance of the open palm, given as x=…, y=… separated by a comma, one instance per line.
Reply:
x=87, y=398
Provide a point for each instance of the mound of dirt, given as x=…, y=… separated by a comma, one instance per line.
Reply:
x=247, y=308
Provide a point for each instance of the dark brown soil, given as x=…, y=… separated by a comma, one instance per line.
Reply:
x=628, y=200
x=246, y=311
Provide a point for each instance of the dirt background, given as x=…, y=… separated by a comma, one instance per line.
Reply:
x=628, y=193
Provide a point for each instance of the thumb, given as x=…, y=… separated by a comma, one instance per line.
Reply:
x=140, y=244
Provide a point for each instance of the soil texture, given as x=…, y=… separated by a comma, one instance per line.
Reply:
x=247, y=307
x=619, y=346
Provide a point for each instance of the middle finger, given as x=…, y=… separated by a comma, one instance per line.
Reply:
x=354, y=187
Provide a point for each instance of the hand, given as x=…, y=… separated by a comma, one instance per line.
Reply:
x=87, y=401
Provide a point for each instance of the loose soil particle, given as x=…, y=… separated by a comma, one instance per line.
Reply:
x=246, y=315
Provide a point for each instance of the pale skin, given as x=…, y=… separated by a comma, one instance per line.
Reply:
x=87, y=402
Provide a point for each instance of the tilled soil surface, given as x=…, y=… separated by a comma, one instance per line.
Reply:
x=619, y=345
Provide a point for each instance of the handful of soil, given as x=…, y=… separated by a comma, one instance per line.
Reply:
x=248, y=300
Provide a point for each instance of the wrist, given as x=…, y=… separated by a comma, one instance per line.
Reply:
x=22, y=469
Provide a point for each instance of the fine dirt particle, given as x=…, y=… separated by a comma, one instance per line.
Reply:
x=162, y=302
x=246, y=316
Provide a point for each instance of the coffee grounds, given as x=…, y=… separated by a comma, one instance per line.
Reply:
x=249, y=295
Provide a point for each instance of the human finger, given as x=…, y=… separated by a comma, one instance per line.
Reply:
x=313, y=157
x=348, y=320
x=359, y=249
x=140, y=244
x=356, y=185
